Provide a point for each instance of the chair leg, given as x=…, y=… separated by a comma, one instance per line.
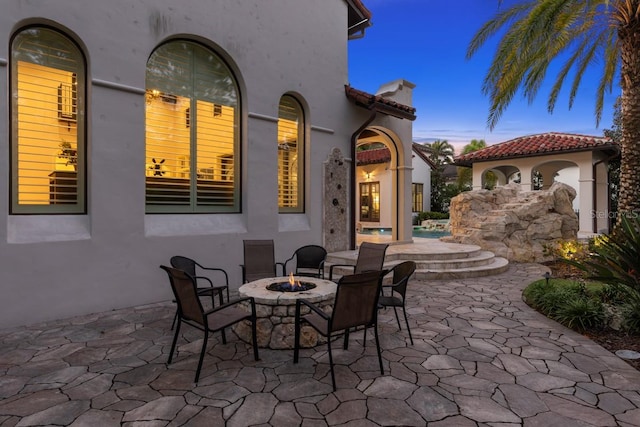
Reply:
x=397, y=318
x=224, y=336
x=375, y=330
x=173, y=344
x=364, y=338
x=254, y=334
x=296, y=340
x=407, y=322
x=346, y=339
x=175, y=317
x=202, y=351
x=333, y=375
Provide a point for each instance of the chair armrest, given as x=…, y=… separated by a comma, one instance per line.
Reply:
x=339, y=265
x=232, y=303
x=221, y=270
x=284, y=267
x=312, y=307
x=204, y=278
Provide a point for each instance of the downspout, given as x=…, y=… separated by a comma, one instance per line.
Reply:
x=594, y=191
x=352, y=184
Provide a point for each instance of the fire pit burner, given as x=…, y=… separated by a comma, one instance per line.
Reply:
x=288, y=287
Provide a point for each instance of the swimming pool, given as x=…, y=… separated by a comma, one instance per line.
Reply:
x=417, y=232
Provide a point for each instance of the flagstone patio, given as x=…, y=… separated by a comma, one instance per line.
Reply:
x=481, y=358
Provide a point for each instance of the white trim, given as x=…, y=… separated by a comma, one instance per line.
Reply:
x=324, y=130
x=263, y=117
x=118, y=86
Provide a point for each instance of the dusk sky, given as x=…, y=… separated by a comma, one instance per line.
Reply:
x=425, y=42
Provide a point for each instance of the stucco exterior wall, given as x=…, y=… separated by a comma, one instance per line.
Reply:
x=64, y=265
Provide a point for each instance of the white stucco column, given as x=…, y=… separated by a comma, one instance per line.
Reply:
x=525, y=178
x=586, y=183
x=602, y=198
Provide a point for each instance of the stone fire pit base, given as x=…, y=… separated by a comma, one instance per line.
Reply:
x=276, y=312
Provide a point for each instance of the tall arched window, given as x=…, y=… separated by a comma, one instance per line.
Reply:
x=47, y=123
x=290, y=155
x=192, y=131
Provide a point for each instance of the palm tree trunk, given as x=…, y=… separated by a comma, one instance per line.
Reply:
x=629, y=196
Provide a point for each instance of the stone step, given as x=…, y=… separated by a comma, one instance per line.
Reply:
x=497, y=265
x=441, y=261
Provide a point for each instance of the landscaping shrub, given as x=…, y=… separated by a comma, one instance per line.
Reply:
x=431, y=215
x=615, y=259
x=574, y=304
x=581, y=314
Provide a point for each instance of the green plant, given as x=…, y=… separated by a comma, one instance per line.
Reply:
x=581, y=314
x=631, y=314
x=615, y=259
x=432, y=215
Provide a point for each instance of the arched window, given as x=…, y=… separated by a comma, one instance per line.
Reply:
x=192, y=131
x=290, y=155
x=47, y=123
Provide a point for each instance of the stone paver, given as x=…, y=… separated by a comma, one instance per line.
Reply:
x=481, y=357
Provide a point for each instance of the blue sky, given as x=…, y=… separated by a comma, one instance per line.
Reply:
x=425, y=42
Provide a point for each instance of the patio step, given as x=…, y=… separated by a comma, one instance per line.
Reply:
x=434, y=259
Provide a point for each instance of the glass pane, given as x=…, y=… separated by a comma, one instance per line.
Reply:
x=47, y=123
x=290, y=155
x=192, y=122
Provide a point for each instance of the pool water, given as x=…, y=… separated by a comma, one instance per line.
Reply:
x=417, y=232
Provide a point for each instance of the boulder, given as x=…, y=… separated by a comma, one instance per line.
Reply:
x=517, y=225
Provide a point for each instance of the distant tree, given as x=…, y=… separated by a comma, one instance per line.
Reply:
x=595, y=33
x=441, y=154
x=465, y=175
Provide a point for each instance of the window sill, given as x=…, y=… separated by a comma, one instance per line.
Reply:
x=191, y=225
x=47, y=228
x=293, y=222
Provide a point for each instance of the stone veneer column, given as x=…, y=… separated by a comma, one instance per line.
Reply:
x=335, y=208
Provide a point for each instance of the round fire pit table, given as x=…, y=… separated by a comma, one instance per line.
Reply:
x=276, y=311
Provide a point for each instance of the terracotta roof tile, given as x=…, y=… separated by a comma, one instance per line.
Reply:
x=370, y=157
x=380, y=104
x=534, y=145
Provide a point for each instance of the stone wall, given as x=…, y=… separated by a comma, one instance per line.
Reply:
x=514, y=224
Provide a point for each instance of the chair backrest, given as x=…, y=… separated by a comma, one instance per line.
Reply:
x=370, y=257
x=185, y=264
x=259, y=260
x=310, y=256
x=356, y=302
x=401, y=274
x=184, y=290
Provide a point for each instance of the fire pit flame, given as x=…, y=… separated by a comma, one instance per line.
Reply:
x=291, y=285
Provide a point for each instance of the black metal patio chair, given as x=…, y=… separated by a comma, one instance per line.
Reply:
x=191, y=312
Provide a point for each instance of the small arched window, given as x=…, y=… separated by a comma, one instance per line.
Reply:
x=192, y=131
x=47, y=123
x=290, y=155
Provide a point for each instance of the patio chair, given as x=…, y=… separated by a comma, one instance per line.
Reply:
x=191, y=267
x=356, y=304
x=398, y=288
x=191, y=312
x=259, y=260
x=370, y=258
x=309, y=261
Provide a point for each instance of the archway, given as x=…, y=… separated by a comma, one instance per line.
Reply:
x=383, y=183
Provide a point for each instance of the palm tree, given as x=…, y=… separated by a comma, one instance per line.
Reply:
x=441, y=154
x=593, y=32
x=465, y=175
